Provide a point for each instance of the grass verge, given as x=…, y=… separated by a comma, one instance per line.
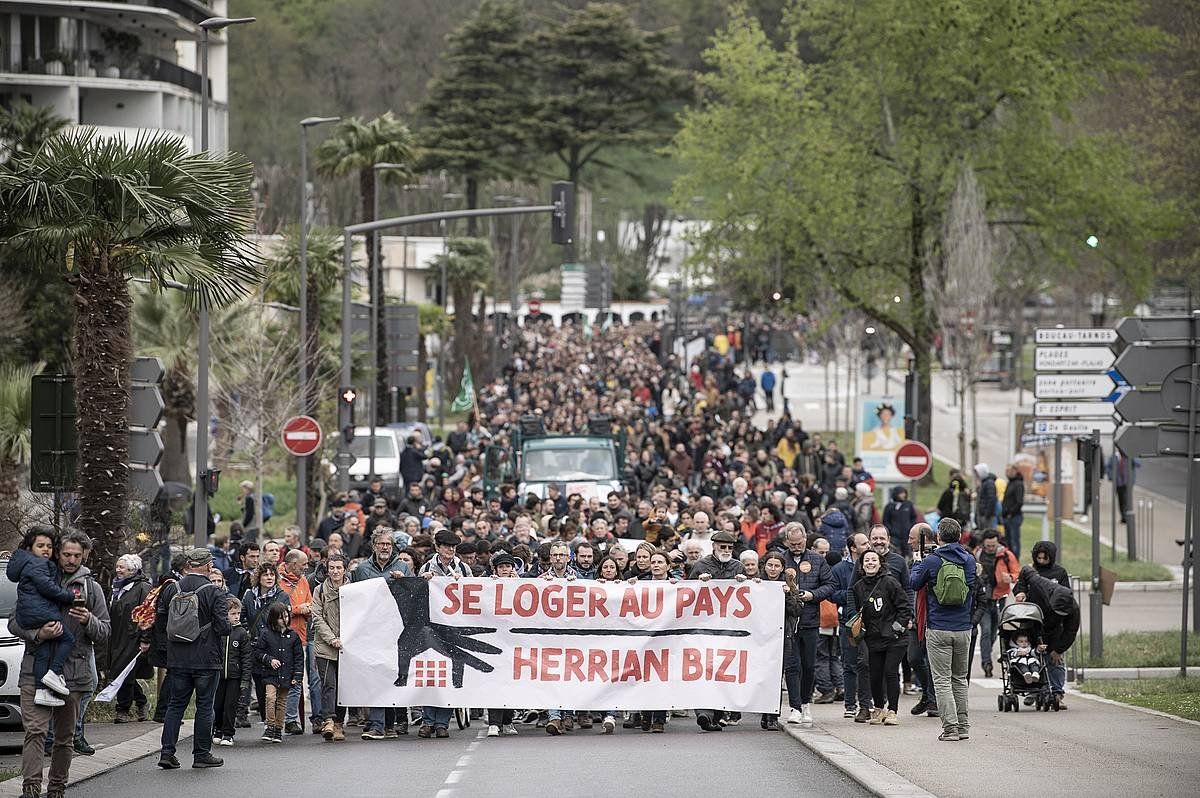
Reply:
x=8, y=773
x=1172, y=694
x=1142, y=650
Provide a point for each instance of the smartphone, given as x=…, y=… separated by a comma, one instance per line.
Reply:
x=79, y=601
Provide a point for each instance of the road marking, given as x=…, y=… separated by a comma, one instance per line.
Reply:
x=454, y=776
x=463, y=761
x=473, y=746
x=443, y=793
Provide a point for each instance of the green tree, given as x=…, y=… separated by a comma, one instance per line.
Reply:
x=164, y=327
x=102, y=211
x=598, y=82
x=354, y=147
x=843, y=169
x=15, y=420
x=468, y=265
x=25, y=128
x=472, y=109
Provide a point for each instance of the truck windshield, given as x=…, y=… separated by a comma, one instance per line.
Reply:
x=569, y=465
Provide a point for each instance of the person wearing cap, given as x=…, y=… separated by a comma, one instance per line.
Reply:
x=500, y=721
x=196, y=666
x=435, y=721
x=721, y=564
x=380, y=515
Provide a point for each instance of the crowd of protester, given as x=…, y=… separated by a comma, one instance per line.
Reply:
x=874, y=608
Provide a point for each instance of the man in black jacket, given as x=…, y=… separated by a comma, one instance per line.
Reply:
x=814, y=581
x=1045, y=556
x=1060, y=614
x=194, y=666
x=1010, y=508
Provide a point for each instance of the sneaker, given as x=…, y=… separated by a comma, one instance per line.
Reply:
x=339, y=734
x=542, y=719
x=81, y=746
x=121, y=717
x=863, y=716
x=292, y=727
x=493, y=731
x=705, y=722
x=850, y=712
x=733, y=718
x=31, y=791
x=168, y=762
x=932, y=711
x=584, y=721
x=949, y=736
x=910, y=689
x=964, y=734
x=609, y=723
x=441, y=733
x=772, y=724
x=1030, y=677
x=425, y=732
x=391, y=734
x=376, y=734
x=987, y=669
x=806, y=715
x=509, y=730
x=632, y=721
x=657, y=728
x=530, y=716
x=919, y=707
x=825, y=698
x=877, y=716
x=44, y=698
x=268, y=735
x=890, y=719
x=327, y=730
x=56, y=683
x=795, y=716
x=554, y=727
x=142, y=714
x=227, y=742
x=242, y=722
x=568, y=723
x=206, y=761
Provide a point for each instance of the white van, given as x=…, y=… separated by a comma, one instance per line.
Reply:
x=12, y=649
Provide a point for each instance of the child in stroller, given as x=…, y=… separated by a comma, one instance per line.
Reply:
x=1023, y=666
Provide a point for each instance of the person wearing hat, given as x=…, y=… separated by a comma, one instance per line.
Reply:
x=380, y=516
x=500, y=721
x=721, y=564
x=435, y=721
x=195, y=666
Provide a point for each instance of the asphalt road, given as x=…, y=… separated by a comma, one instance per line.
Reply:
x=683, y=762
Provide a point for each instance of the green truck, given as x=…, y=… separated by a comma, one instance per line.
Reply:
x=590, y=464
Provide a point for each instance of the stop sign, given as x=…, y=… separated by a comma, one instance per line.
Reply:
x=913, y=459
x=535, y=306
x=301, y=435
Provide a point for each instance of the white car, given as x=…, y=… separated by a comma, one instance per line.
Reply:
x=12, y=650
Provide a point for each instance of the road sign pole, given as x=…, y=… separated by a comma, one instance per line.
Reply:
x=1189, y=521
x=1058, y=493
x=1096, y=607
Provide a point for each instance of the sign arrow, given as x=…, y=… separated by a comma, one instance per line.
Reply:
x=1133, y=329
x=1152, y=441
x=1148, y=406
x=149, y=370
x=1087, y=335
x=145, y=447
x=1150, y=365
x=145, y=483
x=1073, y=386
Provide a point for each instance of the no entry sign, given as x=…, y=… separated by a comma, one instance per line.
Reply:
x=301, y=435
x=913, y=459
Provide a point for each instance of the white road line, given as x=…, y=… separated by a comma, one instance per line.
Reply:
x=473, y=746
x=444, y=794
x=463, y=761
x=454, y=776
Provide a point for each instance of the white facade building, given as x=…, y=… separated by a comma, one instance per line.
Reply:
x=120, y=67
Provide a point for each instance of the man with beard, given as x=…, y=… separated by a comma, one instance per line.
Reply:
x=721, y=564
x=814, y=581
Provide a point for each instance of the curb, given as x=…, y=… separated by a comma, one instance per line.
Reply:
x=1101, y=674
x=1144, y=710
x=105, y=759
x=876, y=778
x=1139, y=587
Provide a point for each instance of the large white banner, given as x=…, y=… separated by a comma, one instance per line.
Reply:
x=533, y=643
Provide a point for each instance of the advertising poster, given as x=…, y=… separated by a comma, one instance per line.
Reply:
x=880, y=434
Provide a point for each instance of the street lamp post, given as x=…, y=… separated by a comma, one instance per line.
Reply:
x=302, y=462
x=375, y=283
x=441, y=358
x=203, y=417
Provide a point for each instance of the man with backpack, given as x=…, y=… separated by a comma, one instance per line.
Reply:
x=950, y=572
x=196, y=617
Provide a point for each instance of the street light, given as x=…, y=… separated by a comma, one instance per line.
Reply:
x=374, y=281
x=441, y=361
x=203, y=416
x=302, y=462
x=1093, y=242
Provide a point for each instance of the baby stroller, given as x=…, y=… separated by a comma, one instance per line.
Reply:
x=1023, y=618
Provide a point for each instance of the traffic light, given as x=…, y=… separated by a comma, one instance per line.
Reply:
x=562, y=224
x=346, y=399
x=776, y=295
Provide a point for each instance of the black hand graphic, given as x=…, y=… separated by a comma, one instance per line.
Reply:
x=455, y=642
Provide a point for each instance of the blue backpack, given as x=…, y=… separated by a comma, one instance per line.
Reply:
x=268, y=506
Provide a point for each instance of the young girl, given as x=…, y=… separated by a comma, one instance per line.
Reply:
x=278, y=659
x=256, y=601
x=40, y=599
x=772, y=568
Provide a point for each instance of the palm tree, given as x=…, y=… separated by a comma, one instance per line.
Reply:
x=164, y=328
x=468, y=264
x=24, y=128
x=15, y=418
x=354, y=147
x=105, y=210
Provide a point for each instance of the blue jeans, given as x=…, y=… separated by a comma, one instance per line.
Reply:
x=183, y=682
x=989, y=627
x=314, y=680
x=829, y=663
x=1057, y=675
x=559, y=714
x=439, y=717
x=920, y=666
x=1012, y=533
x=374, y=719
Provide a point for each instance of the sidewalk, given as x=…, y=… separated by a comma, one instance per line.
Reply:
x=1091, y=749
x=115, y=744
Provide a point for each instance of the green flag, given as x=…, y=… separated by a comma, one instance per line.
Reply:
x=587, y=327
x=466, y=392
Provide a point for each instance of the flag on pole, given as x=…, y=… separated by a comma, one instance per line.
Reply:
x=466, y=392
x=607, y=325
x=587, y=327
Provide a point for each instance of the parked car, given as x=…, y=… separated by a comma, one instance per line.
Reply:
x=12, y=649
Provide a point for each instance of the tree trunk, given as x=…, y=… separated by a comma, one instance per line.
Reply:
x=472, y=203
x=101, y=351
x=10, y=505
x=922, y=322
x=422, y=368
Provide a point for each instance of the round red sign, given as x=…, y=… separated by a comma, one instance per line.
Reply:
x=301, y=435
x=535, y=306
x=913, y=459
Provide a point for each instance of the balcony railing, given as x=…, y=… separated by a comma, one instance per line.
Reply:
x=142, y=67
